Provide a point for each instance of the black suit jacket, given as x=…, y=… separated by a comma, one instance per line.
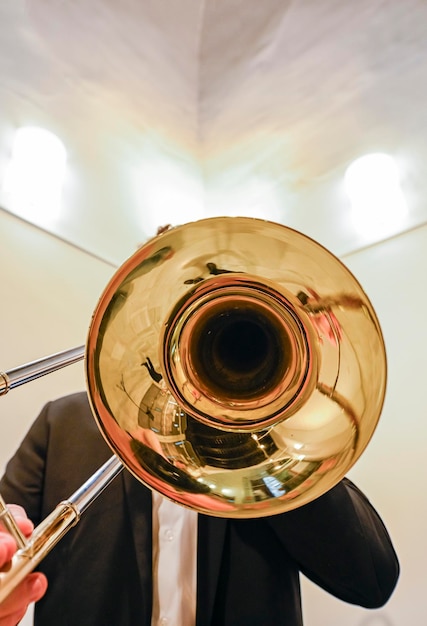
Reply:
x=248, y=570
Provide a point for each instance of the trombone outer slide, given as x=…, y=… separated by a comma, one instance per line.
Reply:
x=55, y=526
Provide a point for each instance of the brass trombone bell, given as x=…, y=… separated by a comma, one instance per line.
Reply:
x=236, y=366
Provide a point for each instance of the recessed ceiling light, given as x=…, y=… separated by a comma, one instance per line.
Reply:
x=372, y=183
x=33, y=179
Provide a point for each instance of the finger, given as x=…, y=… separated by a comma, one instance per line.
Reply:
x=13, y=619
x=37, y=584
x=30, y=590
x=17, y=510
x=25, y=525
x=7, y=547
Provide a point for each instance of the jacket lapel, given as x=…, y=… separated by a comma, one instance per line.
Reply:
x=140, y=513
x=210, y=545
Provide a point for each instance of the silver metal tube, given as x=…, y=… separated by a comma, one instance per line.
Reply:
x=55, y=526
x=91, y=489
x=35, y=369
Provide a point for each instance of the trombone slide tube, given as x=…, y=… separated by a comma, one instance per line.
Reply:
x=47, y=534
x=30, y=371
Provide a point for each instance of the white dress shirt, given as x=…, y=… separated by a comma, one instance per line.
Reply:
x=174, y=564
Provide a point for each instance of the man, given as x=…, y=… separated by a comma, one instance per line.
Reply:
x=101, y=573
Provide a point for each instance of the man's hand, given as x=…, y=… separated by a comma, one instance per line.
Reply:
x=32, y=588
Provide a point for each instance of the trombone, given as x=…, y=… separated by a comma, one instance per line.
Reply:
x=234, y=365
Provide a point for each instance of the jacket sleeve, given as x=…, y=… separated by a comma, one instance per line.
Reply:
x=341, y=544
x=61, y=450
x=23, y=480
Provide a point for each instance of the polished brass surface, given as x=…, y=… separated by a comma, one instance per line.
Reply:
x=43, y=539
x=236, y=366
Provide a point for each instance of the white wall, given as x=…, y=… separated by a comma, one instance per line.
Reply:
x=49, y=290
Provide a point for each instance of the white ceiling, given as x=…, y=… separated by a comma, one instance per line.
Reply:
x=171, y=110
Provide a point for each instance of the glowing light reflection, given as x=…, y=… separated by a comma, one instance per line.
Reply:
x=372, y=183
x=33, y=180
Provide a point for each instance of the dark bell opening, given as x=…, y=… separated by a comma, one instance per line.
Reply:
x=240, y=352
x=241, y=345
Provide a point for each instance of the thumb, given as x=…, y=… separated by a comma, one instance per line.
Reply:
x=36, y=585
